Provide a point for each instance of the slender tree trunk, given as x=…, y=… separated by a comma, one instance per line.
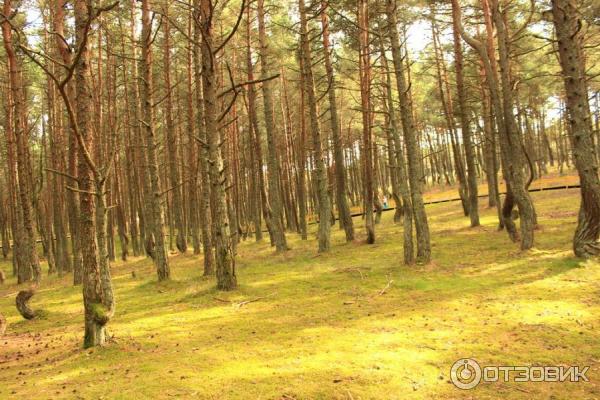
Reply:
x=340, y=169
x=25, y=179
x=224, y=251
x=365, y=93
x=463, y=114
x=156, y=217
x=272, y=163
x=399, y=162
x=171, y=138
x=324, y=232
x=415, y=173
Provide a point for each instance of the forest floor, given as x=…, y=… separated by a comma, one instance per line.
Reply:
x=354, y=323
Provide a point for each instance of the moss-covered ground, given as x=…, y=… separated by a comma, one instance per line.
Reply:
x=354, y=323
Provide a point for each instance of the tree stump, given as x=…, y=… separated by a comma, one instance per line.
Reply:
x=22, y=303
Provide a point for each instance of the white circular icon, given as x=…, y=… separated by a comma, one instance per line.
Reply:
x=465, y=373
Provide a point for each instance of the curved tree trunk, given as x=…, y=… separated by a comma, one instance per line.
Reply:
x=568, y=25
x=22, y=303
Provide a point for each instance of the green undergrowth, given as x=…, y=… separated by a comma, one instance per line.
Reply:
x=354, y=323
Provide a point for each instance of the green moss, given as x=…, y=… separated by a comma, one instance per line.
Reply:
x=321, y=329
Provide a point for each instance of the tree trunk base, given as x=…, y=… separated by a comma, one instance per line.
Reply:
x=95, y=334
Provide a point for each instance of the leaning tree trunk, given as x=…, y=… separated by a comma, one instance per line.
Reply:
x=156, y=218
x=572, y=62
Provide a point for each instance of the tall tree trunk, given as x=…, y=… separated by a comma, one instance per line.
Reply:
x=272, y=163
x=415, y=173
x=224, y=251
x=516, y=162
x=365, y=93
x=25, y=179
x=338, y=152
x=572, y=61
x=463, y=114
x=156, y=217
x=399, y=163
x=97, y=288
x=171, y=139
x=324, y=232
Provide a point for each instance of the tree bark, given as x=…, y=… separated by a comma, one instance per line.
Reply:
x=463, y=114
x=572, y=61
x=324, y=205
x=156, y=217
x=224, y=251
x=415, y=172
x=338, y=152
x=272, y=162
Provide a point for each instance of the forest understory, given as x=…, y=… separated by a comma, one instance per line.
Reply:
x=354, y=323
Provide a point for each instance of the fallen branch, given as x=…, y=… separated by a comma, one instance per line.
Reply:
x=352, y=269
x=243, y=303
x=222, y=300
x=387, y=286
